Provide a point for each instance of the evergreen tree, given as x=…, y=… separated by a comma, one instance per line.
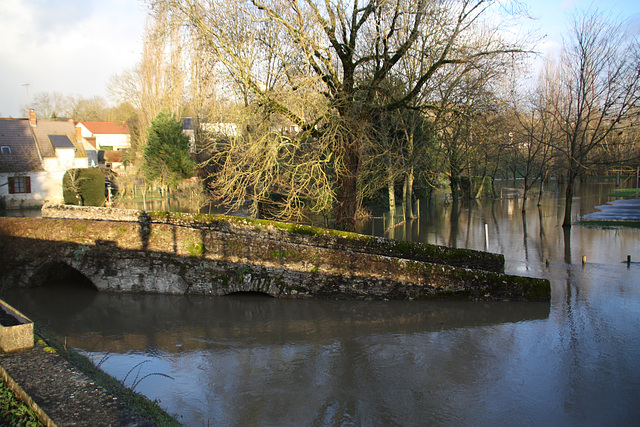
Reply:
x=166, y=156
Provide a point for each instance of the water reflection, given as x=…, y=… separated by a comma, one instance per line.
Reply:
x=261, y=361
x=168, y=322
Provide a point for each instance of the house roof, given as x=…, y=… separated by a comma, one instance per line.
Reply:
x=43, y=131
x=106, y=128
x=16, y=134
x=113, y=156
x=187, y=123
x=61, y=141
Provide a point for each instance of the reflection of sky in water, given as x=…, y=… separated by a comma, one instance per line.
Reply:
x=258, y=361
x=556, y=370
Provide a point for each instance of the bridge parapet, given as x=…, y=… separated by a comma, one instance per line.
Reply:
x=291, y=233
x=171, y=253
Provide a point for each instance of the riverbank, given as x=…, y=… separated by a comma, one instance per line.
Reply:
x=617, y=210
x=71, y=390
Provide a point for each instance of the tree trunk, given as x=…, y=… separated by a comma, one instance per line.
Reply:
x=392, y=193
x=525, y=193
x=347, y=192
x=568, y=202
x=408, y=196
x=454, y=184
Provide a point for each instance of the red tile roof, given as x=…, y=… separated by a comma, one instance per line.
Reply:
x=106, y=128
x=113, y=156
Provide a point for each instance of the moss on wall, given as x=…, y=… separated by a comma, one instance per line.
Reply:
x=242, y=255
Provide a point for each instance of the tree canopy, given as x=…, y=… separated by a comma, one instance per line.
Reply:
x=325, y=67
x=316, y=107
x=167, y=158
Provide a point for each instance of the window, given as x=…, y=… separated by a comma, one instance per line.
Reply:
x=19, y=184
x=6, y=149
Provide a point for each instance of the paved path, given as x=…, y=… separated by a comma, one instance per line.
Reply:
x=618, y=210
x=67, y=396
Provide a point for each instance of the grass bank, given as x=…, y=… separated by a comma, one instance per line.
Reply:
x=135, y=401
x=596, y=223
x=624, y=192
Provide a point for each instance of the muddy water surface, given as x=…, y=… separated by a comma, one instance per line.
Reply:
x=251, y=360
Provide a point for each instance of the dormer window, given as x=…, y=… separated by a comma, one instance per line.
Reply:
x=6, y=149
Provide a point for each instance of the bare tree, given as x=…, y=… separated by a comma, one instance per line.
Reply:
x=345, y=52
x=595, y=88
x=50, y=105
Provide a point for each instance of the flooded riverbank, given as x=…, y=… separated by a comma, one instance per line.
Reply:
x=261, y=361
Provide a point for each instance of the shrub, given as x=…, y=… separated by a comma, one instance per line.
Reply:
x=83, y=187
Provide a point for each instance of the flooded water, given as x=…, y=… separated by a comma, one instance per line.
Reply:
x=252, y=360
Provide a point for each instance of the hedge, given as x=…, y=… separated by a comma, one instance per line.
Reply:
x=83, y=187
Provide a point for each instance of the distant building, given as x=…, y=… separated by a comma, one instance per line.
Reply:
x=188, y=129
x=229, y=130
x=105, y=136
x=106, y=140
x=34, y=155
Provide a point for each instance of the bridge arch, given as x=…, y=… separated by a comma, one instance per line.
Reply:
x=59, y=272
x=241, y=294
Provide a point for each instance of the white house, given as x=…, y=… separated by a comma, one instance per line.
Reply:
x=33, y=159
x=105, y=136
x=104, y=142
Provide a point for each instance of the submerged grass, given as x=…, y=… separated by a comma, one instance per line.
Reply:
x=135, y=401
x=624, y=192
x=606, y=224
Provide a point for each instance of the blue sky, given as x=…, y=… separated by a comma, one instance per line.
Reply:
x=552, y=17
x=75, y=46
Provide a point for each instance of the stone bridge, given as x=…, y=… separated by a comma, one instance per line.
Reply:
x=158, y=252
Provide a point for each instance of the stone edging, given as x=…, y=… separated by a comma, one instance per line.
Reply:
x=25, y=398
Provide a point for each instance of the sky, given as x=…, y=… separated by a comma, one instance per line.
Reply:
x=75, y=46
x=67, y=46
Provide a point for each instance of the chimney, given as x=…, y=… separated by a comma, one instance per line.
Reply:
x=32, y=117
x=78, y=133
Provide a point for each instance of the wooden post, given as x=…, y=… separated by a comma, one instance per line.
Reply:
x=486, y=236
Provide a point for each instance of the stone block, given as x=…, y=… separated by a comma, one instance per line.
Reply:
x=16, y=330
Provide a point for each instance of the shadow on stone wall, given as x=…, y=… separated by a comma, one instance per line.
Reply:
x=166, y=258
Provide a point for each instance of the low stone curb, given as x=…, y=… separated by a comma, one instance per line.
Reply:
x=25, y=398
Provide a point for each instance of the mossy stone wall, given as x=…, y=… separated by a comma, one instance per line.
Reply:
x=234, y=255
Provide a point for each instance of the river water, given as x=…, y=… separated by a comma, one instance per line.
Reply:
x=253, y=360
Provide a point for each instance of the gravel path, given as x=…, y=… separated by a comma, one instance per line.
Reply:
x=65, y=394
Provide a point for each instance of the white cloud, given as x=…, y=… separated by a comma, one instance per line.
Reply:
x=72, y=47
x=75, y=46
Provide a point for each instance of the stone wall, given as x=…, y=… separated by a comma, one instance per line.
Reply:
x=89, y=212
x=170, y=254
x=291, y=233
